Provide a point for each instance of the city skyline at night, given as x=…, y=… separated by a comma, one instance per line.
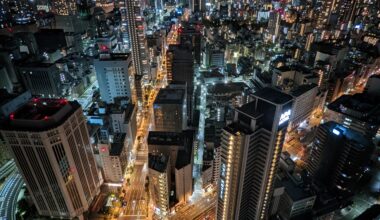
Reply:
x=190, y=109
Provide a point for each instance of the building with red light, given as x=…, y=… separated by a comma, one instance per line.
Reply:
x=49, y=141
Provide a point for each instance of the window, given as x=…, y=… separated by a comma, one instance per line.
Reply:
x=223, y=171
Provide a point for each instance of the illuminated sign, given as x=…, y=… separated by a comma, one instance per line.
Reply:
x=285, y=117
x=336, y=132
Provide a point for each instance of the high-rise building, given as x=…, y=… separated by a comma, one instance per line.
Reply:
x=134, y=23
x=359, y=112
x=178, y=146
x=303, y=104
x=170, y=113
x=113, y=73
x=159, y=182
x=250, y=151
x=49, y=140
x=339, y=157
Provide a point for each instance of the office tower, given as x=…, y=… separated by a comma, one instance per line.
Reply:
x=134, y=22
x=339, y=157
x=190, y=34
x=179, y=147
x=114, y=158
x=169, y=109
x=274, y=24
x=159, y=182
x=42, y=79
x=49, y=141
x=65, y=7
x=250, y=151
x=113, y=73
x=359, y=112
x=180, y=68
x=303, y=103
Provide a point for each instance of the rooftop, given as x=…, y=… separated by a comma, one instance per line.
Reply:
x=165, y=138
x=170, y=96
x=367, y=105
x=40, y=115
x=296, y=192
x=184, y=157
x=158, y=162
x=302, y=89
x=115, y=57
x=118, y=144
x=353, y=136
x=274, y=96
x=227, y=87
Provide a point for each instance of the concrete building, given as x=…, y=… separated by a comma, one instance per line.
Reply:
x=213, y=57
x=303, y=104
x=49, y=140
x=114, y=158
x=159, y=182
x=339, y=157
x=42, y=79
x=113, y=73
x=250, y=152
x=359, y=112
x=170, y=110
x=122, y=118
x=297, y=198
x=11, y=102
x=133, y=22
x=286, y=78
x=179, y=147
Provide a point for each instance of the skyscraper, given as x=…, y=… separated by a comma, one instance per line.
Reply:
x=339, y=156
x=250, y=151
x=49, y=141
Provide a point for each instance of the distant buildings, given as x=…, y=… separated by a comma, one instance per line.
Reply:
x=49, y=141
x=250, y=152
x=113, y=73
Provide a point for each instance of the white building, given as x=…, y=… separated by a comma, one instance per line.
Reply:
x=114, y=158
x=303, y=104
x=113, y=73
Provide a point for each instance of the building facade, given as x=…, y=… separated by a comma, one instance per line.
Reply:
x=250, y=151
x=49, y=141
